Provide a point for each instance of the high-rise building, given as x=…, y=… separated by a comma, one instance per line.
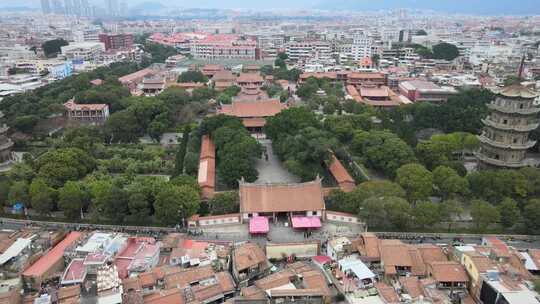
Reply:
x=57, y=7
x=45, y=6
x=117, y=41
x=68, y=7
x=112, y=7
x=77, y=5
x=86, y=9
x=505, y=138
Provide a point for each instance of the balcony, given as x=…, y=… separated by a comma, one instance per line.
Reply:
x=507, y=110
x=501, y=163
x=518, y=128
x=486, y=140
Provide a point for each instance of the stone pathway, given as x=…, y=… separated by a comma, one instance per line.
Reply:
x=272, y=170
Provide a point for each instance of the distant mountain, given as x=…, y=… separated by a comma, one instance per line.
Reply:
x=479, y=7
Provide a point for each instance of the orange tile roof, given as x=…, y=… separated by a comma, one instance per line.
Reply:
x=449, y=271
x=412, y=286
x=259, y=108
x=482, y=263
x=248, y=255
x=387, y=293
x=281, y=197
x=208, y=149
x=72, y=106
x=343, y=178
x=249, y=77
x=253, y=293
x=137, y=76
x=275, y=280
x=431, y=253
x=185, y=277
x=370, y=246
x=171, y=296
x=52, y=257
x=395, y=253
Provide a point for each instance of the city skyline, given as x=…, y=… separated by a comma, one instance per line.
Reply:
x=481, y=7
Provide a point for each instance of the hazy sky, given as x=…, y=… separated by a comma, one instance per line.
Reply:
x=463, y=6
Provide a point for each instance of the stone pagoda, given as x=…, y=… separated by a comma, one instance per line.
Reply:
x=505, y=138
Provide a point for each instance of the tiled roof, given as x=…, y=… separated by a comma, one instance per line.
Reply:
x=185, y=277
x=448, y=272
x=72, y=106
x=342, y=176
x=388, y=293
x=411, y=285
x=249, y=77
x=52, y=257
x=431, y=253
x=516, y=90
x=259, y=108
x=248, y=255
x=281, y=197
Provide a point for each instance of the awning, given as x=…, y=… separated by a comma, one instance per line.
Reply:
x=258, y=224
x=306, y=222
x=321, y=259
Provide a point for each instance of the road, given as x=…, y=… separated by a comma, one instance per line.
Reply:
x=282, y=234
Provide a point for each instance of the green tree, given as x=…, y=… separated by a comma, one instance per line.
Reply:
x=53, y=47
x=416, y=180
x=123, y=127
x=426, y=214
x=18, y=193
x=192, y=76
x=61, y=165
x=373, y=212
x=448, y=182
x=224, y=203
x=509, y=211
x=72, y=198
x=382, y=150
x=378, y=188
x=483, y=214
x=450, y=211
x=42, y=196
x=445, y=51
x=176, y=203
x=531, y=214
x=5, y=184
x=399, y=212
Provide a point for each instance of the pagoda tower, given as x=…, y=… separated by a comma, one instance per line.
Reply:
x=505, y=137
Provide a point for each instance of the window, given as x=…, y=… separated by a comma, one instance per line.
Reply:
x=505, y=121
x=515, y=140
x=521, y=106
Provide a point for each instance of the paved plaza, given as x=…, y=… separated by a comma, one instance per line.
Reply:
x=272, y=170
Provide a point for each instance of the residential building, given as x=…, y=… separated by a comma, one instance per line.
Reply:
x=216, y=47
x=116, y=41
x=309, y=49
x=87, y=51
x=249, y=263
x=49, y=264
x=425, y=91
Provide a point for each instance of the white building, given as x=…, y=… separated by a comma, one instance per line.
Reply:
x=83, y=50
x=309, y=49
